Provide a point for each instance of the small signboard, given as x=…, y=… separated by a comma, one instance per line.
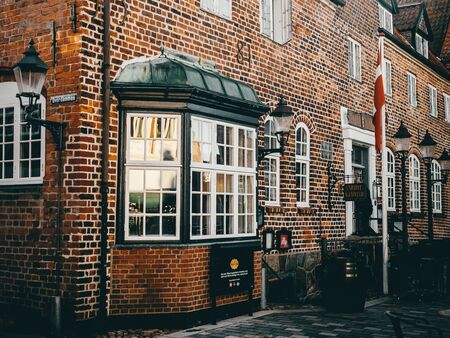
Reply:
x=231, y=269
x=63, y=98
x=284, y=239
x=355, y=192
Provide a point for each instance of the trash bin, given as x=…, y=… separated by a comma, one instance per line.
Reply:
x=344, y=283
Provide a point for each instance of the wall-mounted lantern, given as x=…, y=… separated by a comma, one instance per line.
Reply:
x=268, y=239
x=282, y=119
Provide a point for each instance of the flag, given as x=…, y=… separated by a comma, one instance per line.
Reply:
x=378, y=102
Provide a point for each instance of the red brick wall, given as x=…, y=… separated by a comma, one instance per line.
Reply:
x=166, y=280
x=418, y=120
x=311, y=71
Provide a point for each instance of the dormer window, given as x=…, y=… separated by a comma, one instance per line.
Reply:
x=422, y=45
x=385, y=19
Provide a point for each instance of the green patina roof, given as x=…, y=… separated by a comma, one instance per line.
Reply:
x=173, y=68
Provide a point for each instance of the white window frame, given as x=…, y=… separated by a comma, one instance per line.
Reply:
x=8, y=91
x=385, y=17
x=387, y=77
x=303, y=159
x=390, y=180
x=152, y=165
x=354, y=59
x=433, y=101
x=276, y=23
x=273, y=143
x=421, y=45
x=447, y=107
x=414, y=184
x=222, y=8
x=436, y=189
x=236, y=170
x=412, y=89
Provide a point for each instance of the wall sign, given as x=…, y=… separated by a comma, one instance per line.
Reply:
x=231, y=269
x=284, y=239
x=355, y=192
x=63, y=98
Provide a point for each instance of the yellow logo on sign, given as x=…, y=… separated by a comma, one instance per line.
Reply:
x=234, y=264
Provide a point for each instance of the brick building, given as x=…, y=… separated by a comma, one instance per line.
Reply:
x=183, y=122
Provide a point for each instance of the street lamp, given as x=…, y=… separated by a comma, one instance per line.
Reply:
x=402, y=140
x=282, y=120
x=30, y=75
x=427, y=148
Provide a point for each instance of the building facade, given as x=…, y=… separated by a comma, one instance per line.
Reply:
x=182, y=124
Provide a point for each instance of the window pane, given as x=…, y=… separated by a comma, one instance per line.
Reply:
x=136, y=202
x=169, y=225
x=24, y=150
x=169, y=205
x=152, y=203
x=153, y=127
x=137, y=127
x=169, y=149
x=35, y=168
x=137, y=150
x=8, y=170
x=152, y=179
x=153, y=151
x=169, y=180
x=152, y=225
x=170, y=128
x=8, y=152
x=136, y=180
x=9, y=115
x=206, y=225
x=24, y=168
x=135, y=226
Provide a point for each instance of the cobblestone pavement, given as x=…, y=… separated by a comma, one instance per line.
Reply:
x=318, y=323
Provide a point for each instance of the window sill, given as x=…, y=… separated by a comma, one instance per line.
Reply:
x=230, y=20
x=439, y=215
x=35, y=187
x=250, y=241
x=276, y=42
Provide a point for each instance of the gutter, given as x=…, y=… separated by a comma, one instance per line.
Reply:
x=106, y=106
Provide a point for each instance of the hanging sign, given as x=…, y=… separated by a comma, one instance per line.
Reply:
x=63, y=98
x=355, y=192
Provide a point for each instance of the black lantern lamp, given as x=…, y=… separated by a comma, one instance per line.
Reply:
x=427, y=147
x=30, y=75
x=282, y=120
x=402, y=140
x=444, y=161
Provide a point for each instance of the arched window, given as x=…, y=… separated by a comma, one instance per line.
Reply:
x=271, y=165
x=436, y=191
x=414, y=183
x=302, y=161
x=391, y=180
x=22, y=148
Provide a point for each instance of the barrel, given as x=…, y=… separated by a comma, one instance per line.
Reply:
x=344, y=283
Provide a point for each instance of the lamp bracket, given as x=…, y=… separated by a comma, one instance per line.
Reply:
x=31, y=110
x=282, y=138
x=333, y=179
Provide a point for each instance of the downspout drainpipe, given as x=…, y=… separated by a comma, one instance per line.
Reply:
x=106, y=105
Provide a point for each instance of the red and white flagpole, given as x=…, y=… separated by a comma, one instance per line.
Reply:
x=380, y=144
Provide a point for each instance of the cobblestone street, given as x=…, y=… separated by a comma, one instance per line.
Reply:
x=318, y=323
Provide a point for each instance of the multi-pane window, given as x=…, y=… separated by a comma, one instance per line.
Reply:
x=412, y=98
x=22, y=147
x=447, y=107
x=385, y=18
x=414, y=183
x=354, y=59
x=219, y=7
x=433, y=101
x=271, y=165
x=391, y=180
x=152, y=177
x=302, y=161
x=276, y=20
x=436, y=190
x=223, y=176
x=422, y=45
x=387, y=77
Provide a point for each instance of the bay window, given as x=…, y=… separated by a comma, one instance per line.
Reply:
x=152, y=176
x=223, y=178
